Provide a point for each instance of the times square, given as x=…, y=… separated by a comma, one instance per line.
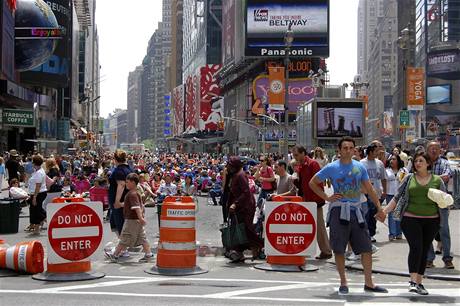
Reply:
x=230, y=152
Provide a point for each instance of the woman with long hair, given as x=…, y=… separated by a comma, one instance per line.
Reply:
x=420, y=218
x=395, y=174
x=320, y=157
x=188, y=186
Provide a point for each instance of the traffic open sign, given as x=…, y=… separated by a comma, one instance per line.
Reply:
x=290, y=228
x=74, y=230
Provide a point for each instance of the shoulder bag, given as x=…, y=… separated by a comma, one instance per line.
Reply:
x=403, y=200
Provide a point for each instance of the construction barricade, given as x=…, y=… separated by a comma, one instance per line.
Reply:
x=177, y=250
x=290, y=234
x=24, y=257
x=74, y=233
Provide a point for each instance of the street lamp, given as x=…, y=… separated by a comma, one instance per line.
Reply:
x=288, y=39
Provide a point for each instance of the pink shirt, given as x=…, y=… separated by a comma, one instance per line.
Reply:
x=267, y=173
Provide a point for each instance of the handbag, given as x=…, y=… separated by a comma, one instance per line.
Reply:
x=233, y=233
x=403, y=199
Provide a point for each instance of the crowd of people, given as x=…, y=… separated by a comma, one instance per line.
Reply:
x=355, y=183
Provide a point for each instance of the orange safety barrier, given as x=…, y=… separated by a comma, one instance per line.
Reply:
x=177, y=249
x=67, y=200
x=286, y=260
x=25, y=257
x=76, y=268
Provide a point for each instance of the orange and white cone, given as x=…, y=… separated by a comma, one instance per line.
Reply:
x=25, y=257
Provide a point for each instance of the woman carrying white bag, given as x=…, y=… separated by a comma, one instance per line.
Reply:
x=416, y=205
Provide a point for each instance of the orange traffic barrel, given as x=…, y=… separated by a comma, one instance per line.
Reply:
x=177, y=250
x=75, y=231
x=24, y=257
x=288, y=263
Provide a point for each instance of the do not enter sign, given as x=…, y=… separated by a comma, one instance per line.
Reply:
x=290, y=228
x=74, y=230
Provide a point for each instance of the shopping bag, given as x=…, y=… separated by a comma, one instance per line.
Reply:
x=233, y=233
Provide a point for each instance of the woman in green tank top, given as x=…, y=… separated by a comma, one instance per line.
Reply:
x=420, y=221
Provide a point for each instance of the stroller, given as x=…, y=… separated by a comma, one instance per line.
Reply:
x=259, y=216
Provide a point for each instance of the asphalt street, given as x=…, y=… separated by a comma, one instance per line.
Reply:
x=126, y=283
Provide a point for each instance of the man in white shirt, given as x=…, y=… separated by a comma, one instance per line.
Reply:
x=378, y=178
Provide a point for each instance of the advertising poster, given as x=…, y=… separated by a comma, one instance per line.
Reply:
x=276, y=84
x=415, y=88
x=192, y=105
x=388, y=123
x=56, y=71
x=7, y=39
x=445, y=126
x=211, y=106
x=178, y=107
x=268, y=20
x=300, y=91
x=444, y=65
x=339, y=119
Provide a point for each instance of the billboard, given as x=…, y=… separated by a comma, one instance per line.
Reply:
x=228, y=31
x=415, y=88
x=211, y=107
x=445, y=127
x=338, y=119
x=300, y=90
x=167, y=125
x=439, y=94
x=7, y=39
x=444, y=65
x=268, y=20
x=388, y=123
x=178, y=107
x=56, y=71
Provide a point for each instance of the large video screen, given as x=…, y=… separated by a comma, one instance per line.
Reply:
x=438, y=94
x=338, y=119
x=268, y=20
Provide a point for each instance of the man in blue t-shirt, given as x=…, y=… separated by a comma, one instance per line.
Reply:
x=117, y=190
x=345, y=217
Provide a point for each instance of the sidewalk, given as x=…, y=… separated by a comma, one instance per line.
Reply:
x=391, y=257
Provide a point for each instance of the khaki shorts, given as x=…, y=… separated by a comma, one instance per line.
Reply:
x=133, y=234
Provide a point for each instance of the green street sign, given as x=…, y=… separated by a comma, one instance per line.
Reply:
x=404, y=122
x=18, y=117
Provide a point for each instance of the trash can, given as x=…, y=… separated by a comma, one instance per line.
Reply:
x=9, y=216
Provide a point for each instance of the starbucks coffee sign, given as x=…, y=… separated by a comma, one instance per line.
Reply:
x=18, y=117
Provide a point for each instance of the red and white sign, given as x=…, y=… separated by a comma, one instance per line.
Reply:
x=74, y=231
x=290, y=228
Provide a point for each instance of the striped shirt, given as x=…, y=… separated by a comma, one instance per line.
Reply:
x=441, y=167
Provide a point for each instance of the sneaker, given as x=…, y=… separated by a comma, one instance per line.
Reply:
x=421, y=290
x=125, y=254
x=412, y=287
x=429, y=264
x=373, y=239
x=353, y=257
x=399, y=237
x=343, y=290
x=374, y=249
x=449, y=265
x=111, y=257
x=391, y=238
x=146, y=258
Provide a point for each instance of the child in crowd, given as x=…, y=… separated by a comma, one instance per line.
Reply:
x=133, y=232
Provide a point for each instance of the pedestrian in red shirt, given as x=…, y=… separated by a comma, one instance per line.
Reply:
x=306, y=168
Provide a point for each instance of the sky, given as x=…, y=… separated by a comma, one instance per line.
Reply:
x=124, y=32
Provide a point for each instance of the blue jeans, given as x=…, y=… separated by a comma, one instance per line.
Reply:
x=445, y=238
x=394, y=227
x=214, y=194
x=369, y=217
